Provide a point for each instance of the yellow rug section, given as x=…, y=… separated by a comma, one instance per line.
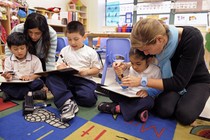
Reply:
x=93, y=131
x=183, y=132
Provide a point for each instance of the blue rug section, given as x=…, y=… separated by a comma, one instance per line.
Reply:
x=11, y=129
x=154, y=128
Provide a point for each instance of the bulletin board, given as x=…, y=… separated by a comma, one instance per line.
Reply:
x=112, y=13
x=117, y=12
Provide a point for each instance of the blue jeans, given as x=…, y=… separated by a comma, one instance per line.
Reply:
x=19, y=90
x=64, y=87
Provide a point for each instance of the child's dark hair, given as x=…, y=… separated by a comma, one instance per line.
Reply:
x=139, y=54
x=17, y=39
x=75, y=27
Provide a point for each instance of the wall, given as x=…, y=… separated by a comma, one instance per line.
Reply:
x=95, y=14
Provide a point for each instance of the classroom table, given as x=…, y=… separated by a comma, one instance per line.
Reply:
x=90, y=36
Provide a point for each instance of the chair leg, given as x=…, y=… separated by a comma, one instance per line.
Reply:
x=99, y=55
x=104, y=74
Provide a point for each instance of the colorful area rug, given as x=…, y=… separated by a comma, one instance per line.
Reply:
x=7, y=105
x=45, y=124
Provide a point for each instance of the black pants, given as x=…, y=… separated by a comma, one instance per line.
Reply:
x=185, y=108
x=129, y=107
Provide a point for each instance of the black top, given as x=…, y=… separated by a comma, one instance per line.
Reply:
x=188, y=64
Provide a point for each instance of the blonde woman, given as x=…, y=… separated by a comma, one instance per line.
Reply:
x=185, y=77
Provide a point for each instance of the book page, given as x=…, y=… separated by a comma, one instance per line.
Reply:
x=206, y=113
x=116, y=88
x=3, y=80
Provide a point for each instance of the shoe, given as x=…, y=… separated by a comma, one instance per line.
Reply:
x=39, y=95
x=5, y=97
x=107, y=107
x=143, y=116
x=68, y=111
x=99, y=75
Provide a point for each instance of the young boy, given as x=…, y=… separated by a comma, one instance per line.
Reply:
x=23, y=65
x=69, y=90
x=134, y=107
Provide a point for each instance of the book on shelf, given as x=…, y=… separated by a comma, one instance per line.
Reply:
x=72, y=16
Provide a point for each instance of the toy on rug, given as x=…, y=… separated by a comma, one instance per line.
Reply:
x=43, y=115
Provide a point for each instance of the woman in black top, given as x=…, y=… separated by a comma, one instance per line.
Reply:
x=185, y=77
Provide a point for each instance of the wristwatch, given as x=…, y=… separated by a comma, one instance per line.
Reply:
x=144, y=81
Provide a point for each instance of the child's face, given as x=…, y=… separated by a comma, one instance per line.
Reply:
x=75, y=40
x=139, y=65
x=19, y=51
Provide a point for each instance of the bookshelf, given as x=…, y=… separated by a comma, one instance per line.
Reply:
x=6, y=23
x=77, y=11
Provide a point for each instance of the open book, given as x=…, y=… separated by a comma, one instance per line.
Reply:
x=3, y=80
x=66, y=70
x=115, y=88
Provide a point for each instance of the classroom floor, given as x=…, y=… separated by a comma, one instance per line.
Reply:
x=90, y=124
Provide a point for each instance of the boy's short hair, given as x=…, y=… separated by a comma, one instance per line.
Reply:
x=75, y=27
x=17, y=39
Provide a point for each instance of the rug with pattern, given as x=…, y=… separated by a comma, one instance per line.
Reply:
x=45, y=124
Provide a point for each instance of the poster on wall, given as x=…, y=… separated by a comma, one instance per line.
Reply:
x=163, y=17
x=188, y=6
x=112, y=13
x=193, y=19
x=155, y=7
x=116, y=11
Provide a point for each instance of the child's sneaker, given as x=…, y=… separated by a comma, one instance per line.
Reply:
x=143, y=116
x=39, y=95
x=68, y=111
x=5, y=97
x=107, y=107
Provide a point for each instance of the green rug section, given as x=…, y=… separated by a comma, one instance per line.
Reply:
x=86, y=113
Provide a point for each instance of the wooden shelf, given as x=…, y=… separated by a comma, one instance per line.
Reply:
x=6, y=23
x=81, y=12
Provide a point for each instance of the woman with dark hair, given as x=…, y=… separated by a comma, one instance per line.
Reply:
x=41, y=38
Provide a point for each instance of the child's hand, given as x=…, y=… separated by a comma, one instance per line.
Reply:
x=84, y=72
x=62, y=66
x=7, y=76
x=26, y=78
x=119, y=68
x=130, y=81
x=142, y=93
x=119, y=72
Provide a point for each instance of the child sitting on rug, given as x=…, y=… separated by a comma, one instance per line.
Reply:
x=69, y=90
x=134, y=107
x=23, y=65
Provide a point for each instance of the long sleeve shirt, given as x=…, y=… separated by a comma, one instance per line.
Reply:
x=188, y=64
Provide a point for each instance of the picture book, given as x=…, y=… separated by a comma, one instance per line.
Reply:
x=3, y=80
x=66, y=70
x=115, y=88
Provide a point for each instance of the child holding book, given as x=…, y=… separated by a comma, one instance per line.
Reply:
x=130, y=108
x=72, y=90
x=23, y=65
